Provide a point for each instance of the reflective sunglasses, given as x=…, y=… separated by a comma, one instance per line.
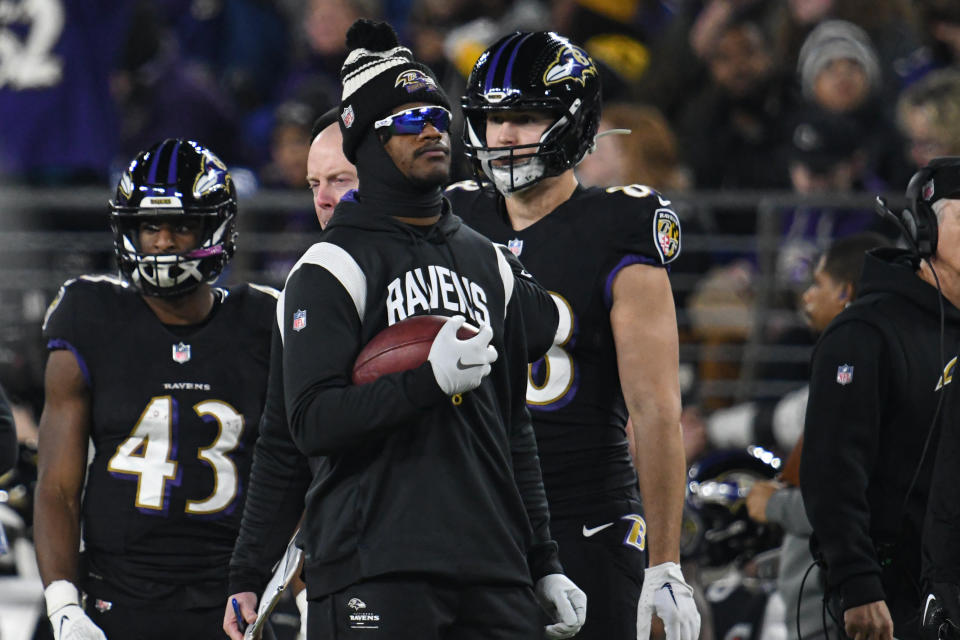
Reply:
x=412, y=121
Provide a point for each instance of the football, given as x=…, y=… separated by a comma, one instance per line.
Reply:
x=401, y=347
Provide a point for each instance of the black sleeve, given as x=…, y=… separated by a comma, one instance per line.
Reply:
x=941, y=553
x=279, y=478
x=327, y=412
x=542, y=557
x=8, y=435
x=538, y=308
x=840, y=450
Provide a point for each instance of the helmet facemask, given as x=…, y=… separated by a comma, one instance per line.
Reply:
x=525, y=164
x=173, y=274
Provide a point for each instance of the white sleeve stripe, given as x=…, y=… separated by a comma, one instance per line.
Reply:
x=341, y=266
x=506, y=274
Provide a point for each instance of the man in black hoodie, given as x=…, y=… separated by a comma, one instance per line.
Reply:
x=426, y=508
x=878, y=387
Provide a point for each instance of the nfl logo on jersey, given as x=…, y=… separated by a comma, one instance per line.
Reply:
x=844, y=374
x=515, y=246
x=299, y=319
x=181, y=353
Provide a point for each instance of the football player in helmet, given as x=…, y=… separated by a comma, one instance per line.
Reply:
x=166, y=374
x=532, y=108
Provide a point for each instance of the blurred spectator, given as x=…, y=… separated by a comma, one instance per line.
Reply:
x=647, y=155
x=289, y=146
x=618, y=35
x=60, y=125
x=838, y=67
x=777, y=424
x=163, y=95
x=839, y=72
x=320, y=50
x=731, y=132
x=890, y=24
x=243, y=43
x=941, y=20
x=827, y=155
x=929, y=116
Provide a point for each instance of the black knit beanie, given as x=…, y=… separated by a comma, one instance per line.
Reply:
x=378, y=76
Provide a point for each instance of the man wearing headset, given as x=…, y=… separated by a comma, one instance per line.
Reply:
x=941, y=555
x=879, y=378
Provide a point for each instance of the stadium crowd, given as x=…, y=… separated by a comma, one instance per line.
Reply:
x=813, y=98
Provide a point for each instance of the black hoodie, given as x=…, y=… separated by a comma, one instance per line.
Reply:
x=876, y=379
x=404, y=480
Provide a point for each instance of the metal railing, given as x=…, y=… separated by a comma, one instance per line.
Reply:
x=50, y=235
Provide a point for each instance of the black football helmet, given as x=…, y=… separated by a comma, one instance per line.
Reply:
x=172, y=180
x=718, y=529
x=539, y=71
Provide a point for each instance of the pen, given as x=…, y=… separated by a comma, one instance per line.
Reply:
x=240, y=622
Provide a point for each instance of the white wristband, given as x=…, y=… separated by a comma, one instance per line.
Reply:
x=59, y=594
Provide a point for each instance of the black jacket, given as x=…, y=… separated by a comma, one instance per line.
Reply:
x=403, y=480
x=873, y=395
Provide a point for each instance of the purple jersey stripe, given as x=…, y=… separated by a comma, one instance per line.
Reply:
x=172, y=169
x=59, y=343
x=493, y=65
x=508, y=79
x=626, y=261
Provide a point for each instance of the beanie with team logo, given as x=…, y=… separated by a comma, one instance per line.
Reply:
x=378, y=76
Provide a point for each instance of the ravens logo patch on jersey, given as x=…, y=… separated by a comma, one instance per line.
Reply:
x=666, y=227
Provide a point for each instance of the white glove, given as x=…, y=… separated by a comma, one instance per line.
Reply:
x=67, y=618
x=667, y=594
x=564, y=602
x=460, y=365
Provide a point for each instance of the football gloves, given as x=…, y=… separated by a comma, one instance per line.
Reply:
x=67, y=618
x=667, y=594
x=460, y=365
x=564, y=602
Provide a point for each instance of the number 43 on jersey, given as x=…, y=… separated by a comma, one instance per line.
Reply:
x=148, y=454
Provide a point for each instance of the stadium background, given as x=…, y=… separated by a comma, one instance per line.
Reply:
x=723, y=100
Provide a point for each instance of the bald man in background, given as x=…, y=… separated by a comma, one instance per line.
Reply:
x=329, y=173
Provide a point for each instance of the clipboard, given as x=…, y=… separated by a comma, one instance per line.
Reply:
x=282, y=575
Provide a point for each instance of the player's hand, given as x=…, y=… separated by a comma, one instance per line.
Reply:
x=666, y=594
x=564, y=602
x=758, y=498
x=68, y=620
x=248, y=608
x=869, y=621
x=460, y=365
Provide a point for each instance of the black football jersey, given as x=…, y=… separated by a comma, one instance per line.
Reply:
x=174, y=421
x=574, y=393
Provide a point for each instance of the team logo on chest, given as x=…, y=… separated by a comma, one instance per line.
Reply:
x=181, y=353
x=515, y=246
